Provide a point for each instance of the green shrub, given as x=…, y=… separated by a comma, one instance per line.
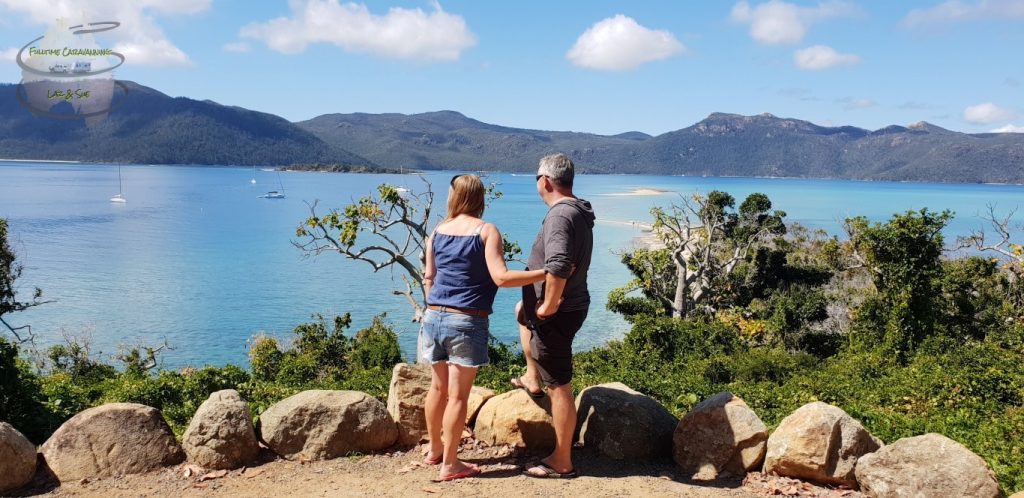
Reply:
x=265, y=358
x=22, y=401
x=375, y=346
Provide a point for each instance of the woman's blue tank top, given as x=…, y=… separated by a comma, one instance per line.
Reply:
x=462, y=279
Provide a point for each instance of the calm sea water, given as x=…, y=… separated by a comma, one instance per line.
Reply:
x=197, y=258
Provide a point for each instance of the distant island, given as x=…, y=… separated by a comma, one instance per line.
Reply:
x=342, y=168
x=149, y=127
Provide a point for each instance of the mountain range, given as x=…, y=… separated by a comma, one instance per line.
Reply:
x=150, y=127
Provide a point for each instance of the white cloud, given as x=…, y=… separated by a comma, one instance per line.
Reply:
x=399, y=34
x=776, y=22
x=139, y=38
x=236, y=47
x=820, y=57
x=987, y=113
x=954, y=11
x=8, y=54
x=619, y=43
x=852, y=103
x=1010, y=128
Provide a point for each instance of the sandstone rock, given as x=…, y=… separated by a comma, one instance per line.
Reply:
x=721, y=435
x=622, y=423
x=221, y=435
x=477, y=397
x=109, y=440
x=17, y=458
x=819, y=442
x=515, y=419
x=406, y=398
x=926, y=466
x=319, y=425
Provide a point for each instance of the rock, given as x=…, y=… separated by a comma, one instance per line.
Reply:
x=477, y=397
x=926, y=466
x=622, y=423
x=1019, y=494
x=407, y=396
x=17, y=458
x=819, y=442
x=721, y=435
x=516, y=419
x=221, y=435
x=319, y=425
x=110, y=440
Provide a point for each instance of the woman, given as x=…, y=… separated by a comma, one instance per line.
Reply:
x=465, y=265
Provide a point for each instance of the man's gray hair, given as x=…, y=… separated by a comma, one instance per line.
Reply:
x=559, y=168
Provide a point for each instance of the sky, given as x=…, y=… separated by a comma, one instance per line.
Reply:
x=596, y=66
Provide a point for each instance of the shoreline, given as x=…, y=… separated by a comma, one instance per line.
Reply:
x=640, y=192
x=646, y=240
x=58, y=161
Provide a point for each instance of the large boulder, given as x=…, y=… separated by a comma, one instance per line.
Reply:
x=221, y=435
x=406, y=398
x=477, y=397
x=819, y=442
x=516, y=419
x=622, y=423
x=319, y=425
x=721, y=435
x=17, y=458
x=926, y=466
x=110, y=440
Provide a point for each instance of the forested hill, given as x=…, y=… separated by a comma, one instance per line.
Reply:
x=720, y=145
x=148, y=127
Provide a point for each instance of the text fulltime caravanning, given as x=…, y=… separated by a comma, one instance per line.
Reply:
x=71, y=52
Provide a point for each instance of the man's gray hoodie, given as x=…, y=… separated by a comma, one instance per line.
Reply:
x=563, y=247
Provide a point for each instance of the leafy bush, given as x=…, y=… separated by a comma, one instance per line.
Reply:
x=22, y=401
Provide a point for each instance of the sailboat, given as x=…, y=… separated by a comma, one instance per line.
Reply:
x=253, y=181
x=276, y=194
x=120, y=190
x=401, y=190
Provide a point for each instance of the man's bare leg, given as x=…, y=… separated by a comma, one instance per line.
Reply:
x=532, y=379
x=563, y=413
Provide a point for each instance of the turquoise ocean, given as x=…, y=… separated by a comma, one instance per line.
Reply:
x=197, y=258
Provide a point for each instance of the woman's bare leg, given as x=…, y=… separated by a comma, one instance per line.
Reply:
x=437, y=398
x=460, y=381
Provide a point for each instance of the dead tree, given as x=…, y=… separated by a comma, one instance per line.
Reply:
x=386, y=230
x=707, y=240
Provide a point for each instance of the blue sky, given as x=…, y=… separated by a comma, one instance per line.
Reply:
x=598, y=66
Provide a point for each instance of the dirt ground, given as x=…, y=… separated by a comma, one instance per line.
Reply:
x=401, y=474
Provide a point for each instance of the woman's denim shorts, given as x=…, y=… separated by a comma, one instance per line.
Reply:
x=455, y=338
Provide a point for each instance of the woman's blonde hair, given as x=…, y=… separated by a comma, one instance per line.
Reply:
x=466, y=196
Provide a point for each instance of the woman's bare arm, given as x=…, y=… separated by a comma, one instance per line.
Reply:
x=430, y=270
x=495, y=255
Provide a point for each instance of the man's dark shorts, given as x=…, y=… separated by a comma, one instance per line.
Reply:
x=551, y=342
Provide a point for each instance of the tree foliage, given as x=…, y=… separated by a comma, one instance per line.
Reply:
x=705, y=240
x=903, y=256
x=10, y=271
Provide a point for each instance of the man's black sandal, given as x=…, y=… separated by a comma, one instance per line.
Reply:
x=518, y=384
x=549, y=473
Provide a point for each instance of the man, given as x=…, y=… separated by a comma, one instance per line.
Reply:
x=553, y=311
